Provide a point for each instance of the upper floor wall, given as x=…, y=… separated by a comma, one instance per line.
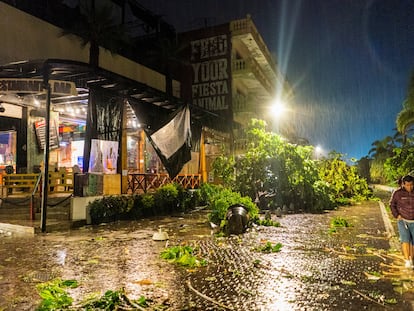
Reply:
x=251, y=58
x=25, y=37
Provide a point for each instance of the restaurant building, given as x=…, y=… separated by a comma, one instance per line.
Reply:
x=104, y=112
x=35, y=52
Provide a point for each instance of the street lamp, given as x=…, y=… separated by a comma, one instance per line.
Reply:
x=318, y=152
x=277, y=109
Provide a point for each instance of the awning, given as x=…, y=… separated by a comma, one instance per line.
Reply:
x=148, y=103
x=86, y=77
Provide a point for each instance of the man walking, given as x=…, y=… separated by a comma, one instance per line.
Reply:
x=402, y=208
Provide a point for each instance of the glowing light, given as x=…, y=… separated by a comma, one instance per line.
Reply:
x=278, y=108
x=318, y=152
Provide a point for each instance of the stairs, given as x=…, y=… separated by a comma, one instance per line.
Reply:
x=16, y=211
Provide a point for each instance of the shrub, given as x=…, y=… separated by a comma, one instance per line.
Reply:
x=148, y=203
x=168, y=199
x=110, y=208
x=207, y=192
x=193, y=199
x=222, y=198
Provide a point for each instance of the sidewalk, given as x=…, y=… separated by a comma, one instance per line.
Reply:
x=352, y=269
x=315, y=270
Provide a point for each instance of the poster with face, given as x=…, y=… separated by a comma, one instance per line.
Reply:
x=104, y=156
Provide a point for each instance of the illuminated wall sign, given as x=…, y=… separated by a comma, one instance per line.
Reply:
x=36, y=86
x=40, y=128
x=11, y=111
x=210, y=62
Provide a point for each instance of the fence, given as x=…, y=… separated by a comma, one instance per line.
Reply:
x=138, y=183
x=62, y=182
x=13, y=184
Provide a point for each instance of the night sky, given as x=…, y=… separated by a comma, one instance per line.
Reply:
x=349, y=61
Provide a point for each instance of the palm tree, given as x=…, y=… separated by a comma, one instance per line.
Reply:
x=405, y=118
x=382, y=148
x=381, y=151
x=97, y=27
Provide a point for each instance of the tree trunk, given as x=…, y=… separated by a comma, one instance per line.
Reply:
x=94, y=55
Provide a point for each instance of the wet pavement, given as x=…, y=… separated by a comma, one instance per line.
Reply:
x=316, y=269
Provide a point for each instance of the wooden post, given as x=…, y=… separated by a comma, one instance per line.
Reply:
x=203, y=170
x=124, y=152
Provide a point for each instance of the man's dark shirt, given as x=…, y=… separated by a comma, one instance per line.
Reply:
x=402, y=203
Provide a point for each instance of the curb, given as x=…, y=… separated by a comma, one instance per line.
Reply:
x=394, y=242
x=18, y=230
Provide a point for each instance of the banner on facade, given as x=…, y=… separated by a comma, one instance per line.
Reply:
x=172, y=142
x=104, y=156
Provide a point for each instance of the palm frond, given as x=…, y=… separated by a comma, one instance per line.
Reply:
x=405, y=119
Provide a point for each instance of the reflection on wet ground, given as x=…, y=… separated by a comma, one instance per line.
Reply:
x=315, y=269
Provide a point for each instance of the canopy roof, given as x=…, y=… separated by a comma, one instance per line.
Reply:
x=146, y=98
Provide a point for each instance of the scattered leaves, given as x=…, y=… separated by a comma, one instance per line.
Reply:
x=54, y=295
x=144, y=282
x=183, y=255
x=269, y=247
x=267, y=223
x=114, y=300
x=340, y=222
x=373, y=275
x=350, y=283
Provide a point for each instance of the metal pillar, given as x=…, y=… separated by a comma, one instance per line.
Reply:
x=46, y=86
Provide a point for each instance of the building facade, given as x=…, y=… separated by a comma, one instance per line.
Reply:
x=34, y=52
x=231, y=75
x=227, y=77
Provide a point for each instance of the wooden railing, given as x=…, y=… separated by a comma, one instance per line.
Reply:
x=24, y=183
x=21, y=183
x=138, y=183
x=60, y=182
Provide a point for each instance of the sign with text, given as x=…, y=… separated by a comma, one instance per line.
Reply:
x=40, y=128
x=211, y=72
x=36, y=86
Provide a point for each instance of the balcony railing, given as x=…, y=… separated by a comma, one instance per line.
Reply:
x=240, y=104
x=242, y=66
x=138, y=183
x=246, y=26
x=241, y=145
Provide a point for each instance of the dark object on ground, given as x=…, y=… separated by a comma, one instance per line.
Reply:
x=237, y=219
x=265, y=200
